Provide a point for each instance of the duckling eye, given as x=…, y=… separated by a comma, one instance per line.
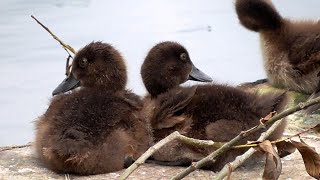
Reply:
x=83, y=63
x=183, y=56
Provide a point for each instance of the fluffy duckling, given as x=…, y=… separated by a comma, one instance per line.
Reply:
x=291, y=49
x=98, y=128
x=211, y=111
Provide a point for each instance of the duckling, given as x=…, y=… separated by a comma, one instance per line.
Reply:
x=291, y=49
x=97, y=128
x=209, y=112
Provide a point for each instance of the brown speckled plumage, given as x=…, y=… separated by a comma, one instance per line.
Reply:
x=291, y=49
x=97, y=128
x=210, y=111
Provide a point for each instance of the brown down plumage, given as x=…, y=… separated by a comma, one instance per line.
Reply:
x=210, y=111
x=98, y=128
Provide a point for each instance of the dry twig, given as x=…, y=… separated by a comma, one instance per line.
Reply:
x=173, y=136
x=14, y=147
x=241, y=159
x=276, y=141
x=65, y=46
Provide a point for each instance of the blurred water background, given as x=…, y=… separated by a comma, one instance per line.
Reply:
x=32, y=63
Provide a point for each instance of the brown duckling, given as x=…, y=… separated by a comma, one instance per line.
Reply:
x=291, y=49
x=98, y=128
x=211, y=111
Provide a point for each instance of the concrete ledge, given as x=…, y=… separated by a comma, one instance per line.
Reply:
x=21, y=163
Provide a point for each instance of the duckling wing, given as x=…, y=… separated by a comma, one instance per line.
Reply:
x=132, y=99
x=224, y=130
x=169, y=106
x=304, y=53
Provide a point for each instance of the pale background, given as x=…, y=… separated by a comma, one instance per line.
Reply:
x=32, y=63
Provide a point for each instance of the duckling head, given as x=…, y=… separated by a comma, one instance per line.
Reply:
x=168, y=65
x=96, y=65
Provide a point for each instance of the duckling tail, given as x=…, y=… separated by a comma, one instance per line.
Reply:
x=270, y=102
x=258, y=15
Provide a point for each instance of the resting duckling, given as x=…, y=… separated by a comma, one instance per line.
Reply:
x=98, y=128
x=211, y=111
x=291, y=49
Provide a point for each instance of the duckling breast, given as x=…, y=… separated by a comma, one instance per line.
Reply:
x=91, y=132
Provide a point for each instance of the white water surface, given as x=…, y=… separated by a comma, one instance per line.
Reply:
x=32, y=63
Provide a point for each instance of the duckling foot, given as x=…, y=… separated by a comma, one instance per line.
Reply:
x=128, y=161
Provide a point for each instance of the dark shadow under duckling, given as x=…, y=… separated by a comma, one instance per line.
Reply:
x=98, y=128
x=213, y=112
x=291, y=49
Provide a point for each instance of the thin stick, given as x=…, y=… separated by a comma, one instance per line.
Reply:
x=173, y=136
x=199, y=143
x=241, y=136
x=276, y=141
x=148, y=153
x=241, y=159
x=65, y=46
x=14, y=147
x=194, y=142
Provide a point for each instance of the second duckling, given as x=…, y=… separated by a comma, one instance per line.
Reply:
x=213, y=112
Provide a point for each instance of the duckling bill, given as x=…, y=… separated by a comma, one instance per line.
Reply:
x=99, y=128
x=67, y=84
x=198, y=75
x=209, y=112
